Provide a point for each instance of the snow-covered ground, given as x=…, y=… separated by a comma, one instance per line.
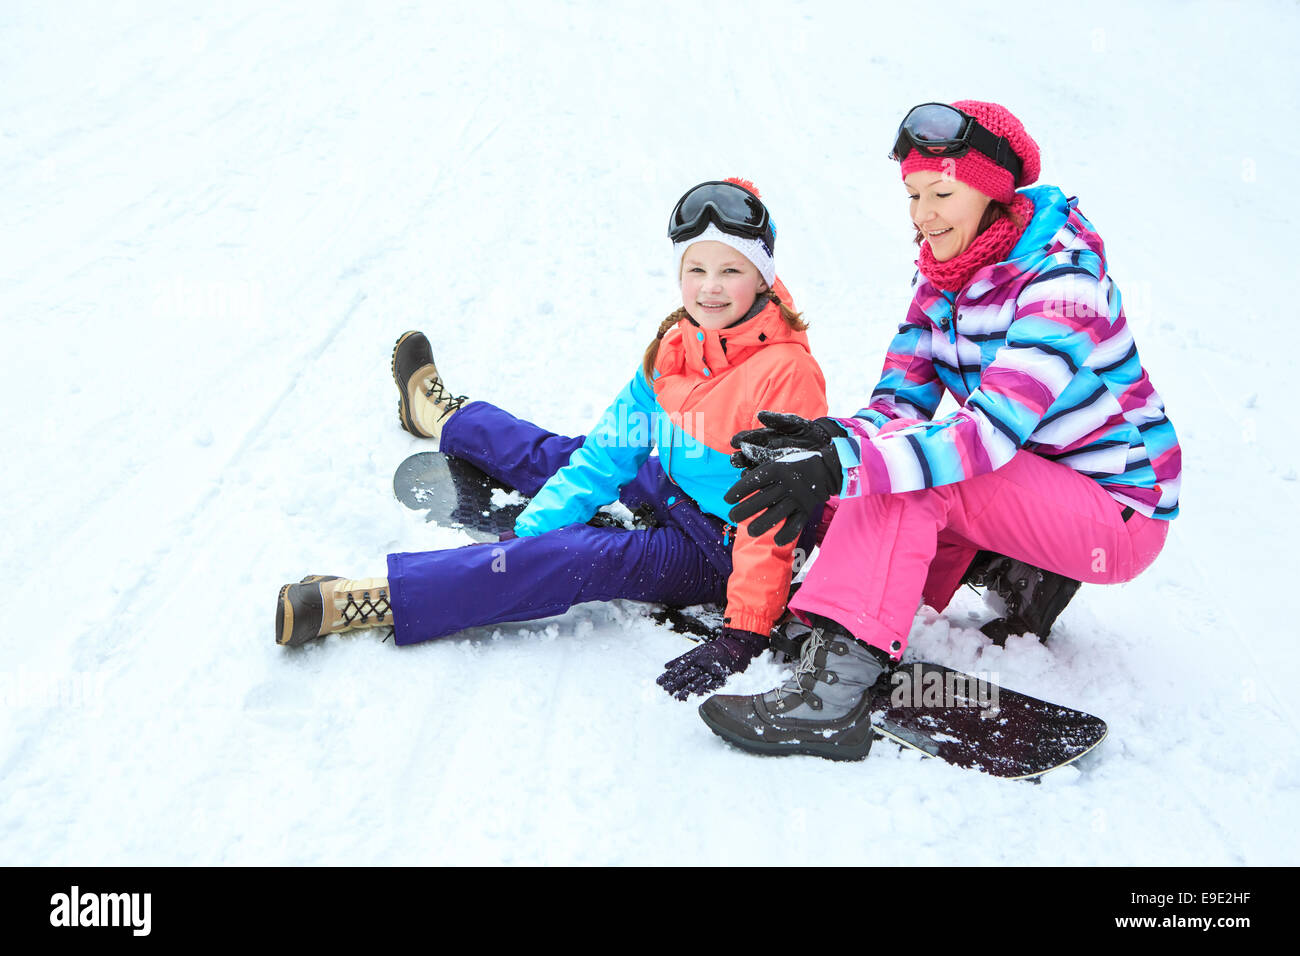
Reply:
x=216, y=222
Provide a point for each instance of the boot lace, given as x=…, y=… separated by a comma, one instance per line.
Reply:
x=440, y=396
x=358, y=613
x=807, y=666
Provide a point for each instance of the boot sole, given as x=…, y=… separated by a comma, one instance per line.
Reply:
x=403, y=413
x=828, y=750
x=284, y=615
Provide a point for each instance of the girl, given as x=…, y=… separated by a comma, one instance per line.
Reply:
x=735, y=346
x=1060, y=455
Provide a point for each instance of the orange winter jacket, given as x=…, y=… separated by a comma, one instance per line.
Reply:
x=707, y=384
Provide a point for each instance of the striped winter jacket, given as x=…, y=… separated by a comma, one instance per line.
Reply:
x=1038, y=352
x=707, y=384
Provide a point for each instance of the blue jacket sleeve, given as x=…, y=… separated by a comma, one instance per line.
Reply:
x=608, y=459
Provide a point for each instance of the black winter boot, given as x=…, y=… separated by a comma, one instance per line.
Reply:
x=823, y=709
x=1034, y=597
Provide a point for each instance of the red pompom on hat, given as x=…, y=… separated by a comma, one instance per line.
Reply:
x=974, y=168
x=744, y=184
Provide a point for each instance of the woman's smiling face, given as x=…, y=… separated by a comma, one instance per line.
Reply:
x=945, y=210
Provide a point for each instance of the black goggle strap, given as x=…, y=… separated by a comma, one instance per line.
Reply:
x=996, y=148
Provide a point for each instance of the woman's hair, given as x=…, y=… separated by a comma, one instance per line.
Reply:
x=792, y=318
x=992, y=213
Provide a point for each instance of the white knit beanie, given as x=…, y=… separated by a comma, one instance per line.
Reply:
x=751, y=249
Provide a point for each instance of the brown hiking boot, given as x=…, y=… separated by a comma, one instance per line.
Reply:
x=327, y=604
x=424, y=404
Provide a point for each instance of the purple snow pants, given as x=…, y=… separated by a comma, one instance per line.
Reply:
x=685, y=560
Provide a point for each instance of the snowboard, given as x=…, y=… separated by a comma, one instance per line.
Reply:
x=938, y=711
x=979, y=725
x=456, y=494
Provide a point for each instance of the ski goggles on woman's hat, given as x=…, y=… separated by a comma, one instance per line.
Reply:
x=940, y=130
x=732, y=208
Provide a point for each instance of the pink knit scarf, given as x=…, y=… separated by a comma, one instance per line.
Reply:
x=990, y=246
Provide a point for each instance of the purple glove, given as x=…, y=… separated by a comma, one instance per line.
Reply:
x=707, y=667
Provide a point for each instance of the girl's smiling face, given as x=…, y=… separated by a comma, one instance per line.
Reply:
x=719, y=285
x=947, y=211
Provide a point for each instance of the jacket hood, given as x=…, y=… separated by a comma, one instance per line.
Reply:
x=1058, y=227
x=686, y=346
x=1057, y=231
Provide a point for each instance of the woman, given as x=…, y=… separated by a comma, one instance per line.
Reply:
x=1060, y=455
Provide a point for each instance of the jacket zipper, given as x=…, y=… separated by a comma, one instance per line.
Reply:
x=671, y=439
x=956, y=348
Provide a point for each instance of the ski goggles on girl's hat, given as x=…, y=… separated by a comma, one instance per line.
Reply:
x=940, y=131
x=733, y=209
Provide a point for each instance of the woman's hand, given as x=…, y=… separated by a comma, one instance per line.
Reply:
x=783, y=432
x=788, y=489
x=707, y=667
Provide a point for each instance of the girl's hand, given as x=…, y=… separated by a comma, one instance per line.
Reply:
x=706, y=667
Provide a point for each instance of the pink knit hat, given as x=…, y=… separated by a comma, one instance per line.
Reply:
x=974, y=168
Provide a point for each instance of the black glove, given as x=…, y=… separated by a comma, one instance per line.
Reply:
x=707, y=667
x=783, y=432
x=789, y=488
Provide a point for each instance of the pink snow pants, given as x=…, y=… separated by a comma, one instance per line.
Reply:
x=883, y=554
